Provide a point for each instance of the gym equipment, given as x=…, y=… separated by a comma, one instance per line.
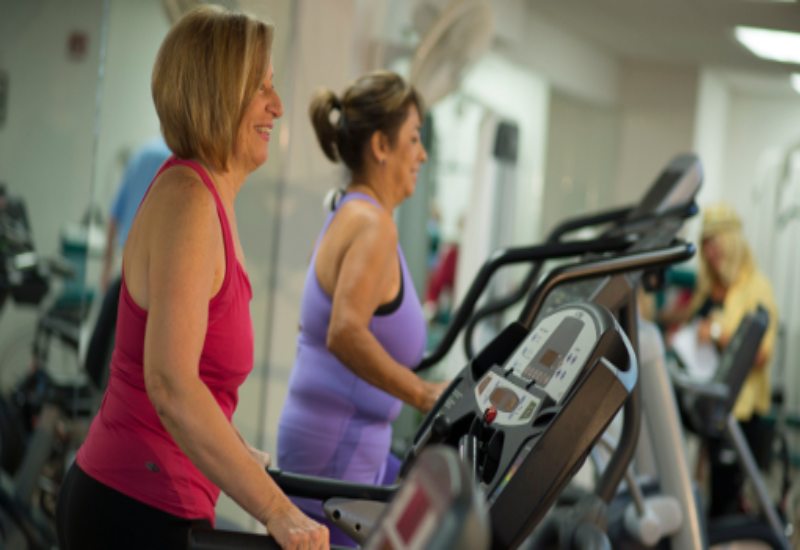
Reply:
x=21, y=272
x=709, y=407
x=532, y=415
x=437, y=507
x=25, y=278
x=553, y=378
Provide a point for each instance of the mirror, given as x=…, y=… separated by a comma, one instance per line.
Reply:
x=50, y=78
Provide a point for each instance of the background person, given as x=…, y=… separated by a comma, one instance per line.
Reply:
x=139, y=172
x=729, y=286
x=361, y=322
x=162, y=444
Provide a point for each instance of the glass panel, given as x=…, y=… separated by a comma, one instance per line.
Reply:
x=50, y=56
x=51, y=60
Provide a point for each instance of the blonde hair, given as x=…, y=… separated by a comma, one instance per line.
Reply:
x=721, y=223
x=207, y=70
x=378, y=101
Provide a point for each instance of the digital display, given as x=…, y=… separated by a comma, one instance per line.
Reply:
x=504, y=399
x=548, y=358
x=415, y=510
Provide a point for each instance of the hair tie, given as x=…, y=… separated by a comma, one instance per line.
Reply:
x=342, y=122
x=332, y=199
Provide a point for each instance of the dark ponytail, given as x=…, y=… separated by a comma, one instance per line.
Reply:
x=322, y=105
x=378, y=101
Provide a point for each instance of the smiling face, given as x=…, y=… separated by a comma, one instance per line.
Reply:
x=252, y=141
x=406, y=155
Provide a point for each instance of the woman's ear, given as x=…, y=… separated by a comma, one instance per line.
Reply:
x=379, y=146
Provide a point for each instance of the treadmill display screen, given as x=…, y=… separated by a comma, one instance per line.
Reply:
x=553, y=352
x=411, y=518
x=548, y=358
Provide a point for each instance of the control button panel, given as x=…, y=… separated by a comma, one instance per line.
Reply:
x=552, y=355
x=513, y=404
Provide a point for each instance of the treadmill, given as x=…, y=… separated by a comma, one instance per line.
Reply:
x=525, y=412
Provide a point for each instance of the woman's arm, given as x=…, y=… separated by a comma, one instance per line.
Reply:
x=184, y=256
x=364, y=278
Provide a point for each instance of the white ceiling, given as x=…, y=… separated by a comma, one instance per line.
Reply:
x=687, y=32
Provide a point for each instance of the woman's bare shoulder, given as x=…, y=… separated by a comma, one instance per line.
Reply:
x=361, y=218
x=179, y=196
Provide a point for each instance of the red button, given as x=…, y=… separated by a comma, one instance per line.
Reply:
x=489, y=415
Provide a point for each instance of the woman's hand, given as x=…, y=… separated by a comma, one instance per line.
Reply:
x=293, y=529
x=431, y=393
x=263, y=457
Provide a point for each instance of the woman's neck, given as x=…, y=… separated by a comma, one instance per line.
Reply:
x=228, y=183
x=378, y=192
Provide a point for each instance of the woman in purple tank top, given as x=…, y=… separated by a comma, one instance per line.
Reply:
x=361, y=322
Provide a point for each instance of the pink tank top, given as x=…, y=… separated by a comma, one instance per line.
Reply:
x=127, y=448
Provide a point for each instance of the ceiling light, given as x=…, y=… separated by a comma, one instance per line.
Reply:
x=774, y=45
x=796, y=82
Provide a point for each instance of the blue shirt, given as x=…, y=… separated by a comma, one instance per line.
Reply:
x=139, y=172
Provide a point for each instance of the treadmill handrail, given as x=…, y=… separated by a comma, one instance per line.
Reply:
x=321, y=488
x=200, y=538
x=620, y=214
x=591, y=220
x=509, y=256
x=634, y=261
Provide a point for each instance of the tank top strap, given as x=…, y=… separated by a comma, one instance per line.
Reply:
x=227, y=234
x=355, y=195
x=345, y=198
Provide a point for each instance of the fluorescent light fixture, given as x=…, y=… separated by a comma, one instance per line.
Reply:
x=783, y=46
x=796, y=82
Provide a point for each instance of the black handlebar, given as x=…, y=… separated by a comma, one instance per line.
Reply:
x=321, y=488
x=508, y=257
x=634, y=261
x=553, y=248
x=211, y=539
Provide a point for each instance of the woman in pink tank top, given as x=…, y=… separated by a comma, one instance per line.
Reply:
x=163, y=445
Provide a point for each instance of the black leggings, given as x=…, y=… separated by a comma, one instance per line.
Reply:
x=101, y=343
x=91, y=515
x=727, y=475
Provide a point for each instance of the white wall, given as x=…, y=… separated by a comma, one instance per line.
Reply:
x=582, y=154
x=710, y=133
x=47, y=142
x=568, y=62
x=658, y=105
x=756, y=126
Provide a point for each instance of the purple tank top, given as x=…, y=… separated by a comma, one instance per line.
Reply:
x=334, y=423
x=398, y=326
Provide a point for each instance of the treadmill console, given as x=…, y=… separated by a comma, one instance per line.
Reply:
x=550, y=358
x=527, y=410
x=436, y=508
